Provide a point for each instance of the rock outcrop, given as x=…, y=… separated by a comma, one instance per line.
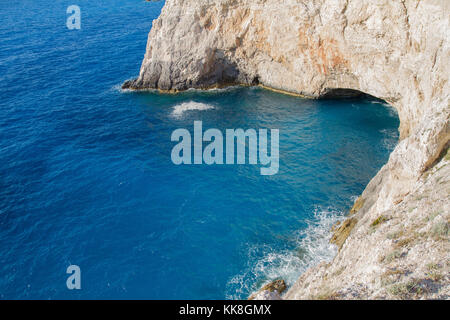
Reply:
x=271, y=291
x=396, y=50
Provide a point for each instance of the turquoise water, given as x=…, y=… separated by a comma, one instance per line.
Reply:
x=86, y=176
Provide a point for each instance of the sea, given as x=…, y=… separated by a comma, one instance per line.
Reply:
x=87, y=179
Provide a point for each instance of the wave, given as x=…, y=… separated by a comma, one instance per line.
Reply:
x=216, y=89
x=392, y=110
x=118, y=88
x=390, y=139
x=313, y=246
x=179, y=109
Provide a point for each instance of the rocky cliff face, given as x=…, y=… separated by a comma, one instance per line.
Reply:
x=395, y=244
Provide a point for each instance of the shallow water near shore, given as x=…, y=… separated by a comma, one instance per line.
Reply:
x=86, y=176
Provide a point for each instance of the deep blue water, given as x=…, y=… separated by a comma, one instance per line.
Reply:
x=86, y=176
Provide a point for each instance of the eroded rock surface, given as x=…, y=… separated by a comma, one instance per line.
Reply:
x=271, y=291
x=396, y=50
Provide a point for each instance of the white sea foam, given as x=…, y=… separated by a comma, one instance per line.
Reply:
x=380, y=102
x=117, y=88
x=179, y=109
x=213, y=90
x=390, y=139
x=313, y=247
x=392, y=111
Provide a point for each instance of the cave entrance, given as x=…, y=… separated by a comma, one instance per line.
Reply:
x=344, y=93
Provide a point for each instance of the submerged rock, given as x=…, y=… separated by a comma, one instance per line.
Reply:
x=129, y=84
x=271, y=291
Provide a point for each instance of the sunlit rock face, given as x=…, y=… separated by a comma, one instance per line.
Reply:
x=395, y=50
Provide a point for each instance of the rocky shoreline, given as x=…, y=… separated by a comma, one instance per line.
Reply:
x=395, y=243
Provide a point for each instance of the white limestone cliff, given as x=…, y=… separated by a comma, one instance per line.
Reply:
x=395, y=243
